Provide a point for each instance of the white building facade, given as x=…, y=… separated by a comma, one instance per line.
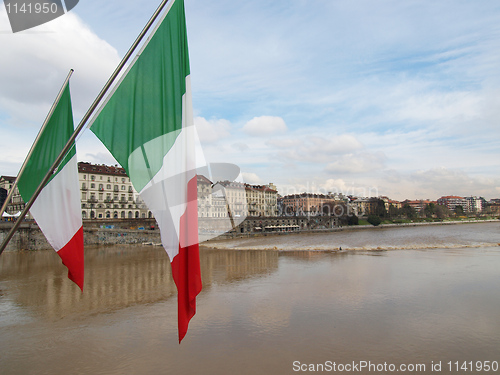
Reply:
x=107, y=193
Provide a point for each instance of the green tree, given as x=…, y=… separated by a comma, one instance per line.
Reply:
x=409, y=211
x=352, y=220
x=459, y=210
x=380, y=209
x=374, y=220
x=429, y=209
x=393, y=211
x=442, y=211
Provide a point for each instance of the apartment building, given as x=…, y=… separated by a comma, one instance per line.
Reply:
x=452, y=202
x=17, y=204
x=262, y=200
x=106, y=192
x=475, y=204
x=308, y=204
x=218, y=199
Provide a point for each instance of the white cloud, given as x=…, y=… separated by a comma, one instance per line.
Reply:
x=334, y=186
x=431, y=105
x=455, y=182
x=211, y=131
x=313, y=148
x=358, y=163
x=240, y=146
x=264, y=126
x=435, y=182
x=251, y=178
x=33, y=65
x=386, y=87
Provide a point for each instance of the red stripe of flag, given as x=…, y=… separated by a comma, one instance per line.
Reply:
x=186, y=265
x=72, y=257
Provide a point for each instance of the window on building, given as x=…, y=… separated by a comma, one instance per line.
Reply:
x=92, y=178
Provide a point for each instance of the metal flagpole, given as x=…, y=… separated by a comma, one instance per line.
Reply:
x=82, y=123
x=11, y=192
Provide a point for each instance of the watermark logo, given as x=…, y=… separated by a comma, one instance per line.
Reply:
x=25, y=14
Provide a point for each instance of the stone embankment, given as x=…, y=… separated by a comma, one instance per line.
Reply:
x=30, y=237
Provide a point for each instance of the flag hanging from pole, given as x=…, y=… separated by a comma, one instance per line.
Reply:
x=57, y=208
x=147, y=124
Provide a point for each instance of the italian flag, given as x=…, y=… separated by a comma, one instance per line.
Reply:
x=57, y=208
x=147, y=124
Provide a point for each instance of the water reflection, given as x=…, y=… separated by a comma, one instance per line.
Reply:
x=116, y=277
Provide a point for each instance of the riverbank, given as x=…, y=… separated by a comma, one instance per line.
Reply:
x=448, y=235
x=30, y=237
x=229, y=236
x=127, y=232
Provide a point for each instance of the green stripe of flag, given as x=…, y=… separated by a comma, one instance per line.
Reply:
x=142, y=118
x=54, y=137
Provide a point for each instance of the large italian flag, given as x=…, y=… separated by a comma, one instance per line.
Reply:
x=57, y=208
x=147, y=124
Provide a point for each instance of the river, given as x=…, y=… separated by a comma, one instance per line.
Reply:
x=432, y=305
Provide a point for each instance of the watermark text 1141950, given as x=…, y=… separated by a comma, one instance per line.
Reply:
x=25, y=14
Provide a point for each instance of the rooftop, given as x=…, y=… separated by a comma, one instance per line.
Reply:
x=85, y=167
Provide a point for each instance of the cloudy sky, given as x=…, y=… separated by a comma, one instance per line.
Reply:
x=388, y=97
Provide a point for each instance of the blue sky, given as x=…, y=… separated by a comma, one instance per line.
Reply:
x=361, y=97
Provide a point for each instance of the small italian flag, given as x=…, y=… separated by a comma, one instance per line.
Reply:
x=147, y=124
x=57, y=208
